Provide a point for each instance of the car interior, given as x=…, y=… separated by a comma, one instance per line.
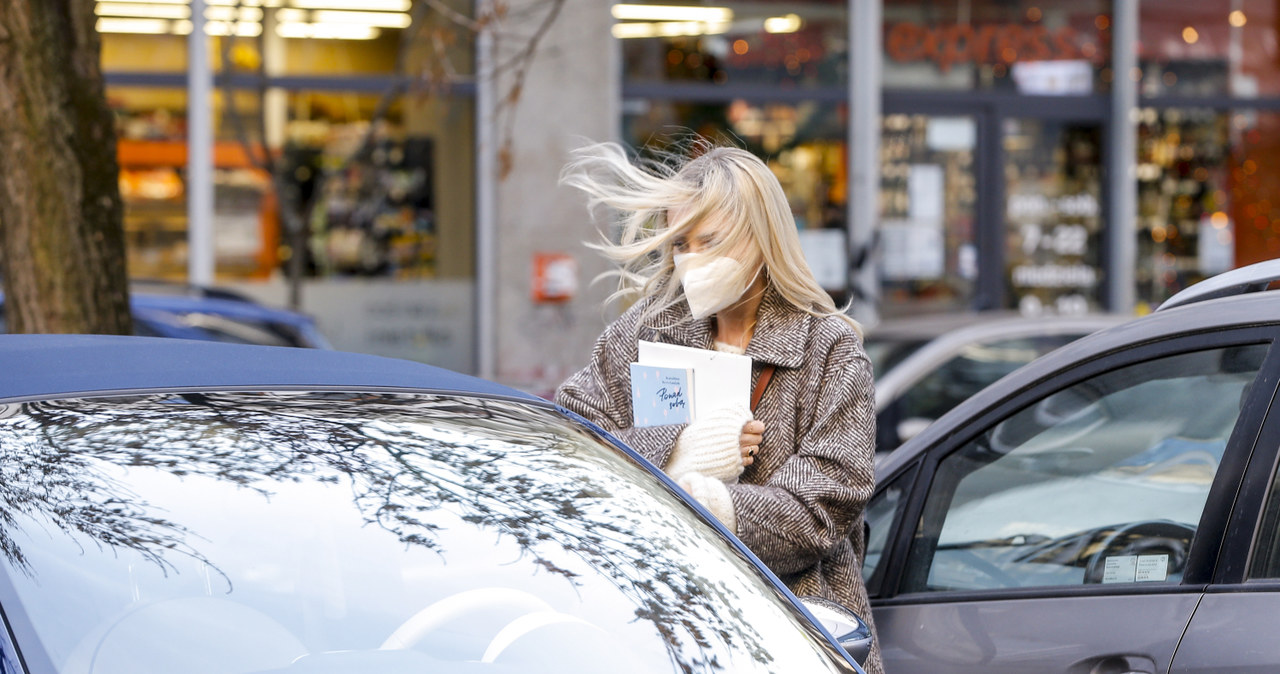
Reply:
x=1101, y=482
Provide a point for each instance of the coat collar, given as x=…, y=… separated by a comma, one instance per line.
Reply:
x=779, y=337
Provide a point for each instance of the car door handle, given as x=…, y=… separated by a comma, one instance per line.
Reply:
x=1115, y=664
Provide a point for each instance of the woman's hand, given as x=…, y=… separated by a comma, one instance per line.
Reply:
x=750, y=439
x=711, y=445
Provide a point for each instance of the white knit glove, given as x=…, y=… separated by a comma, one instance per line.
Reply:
x=710, y=445
x=713, y=494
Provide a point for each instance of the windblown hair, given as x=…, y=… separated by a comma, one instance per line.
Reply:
x=659, y=201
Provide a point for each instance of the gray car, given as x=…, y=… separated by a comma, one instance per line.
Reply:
x=1112, y=507
x=926, y=365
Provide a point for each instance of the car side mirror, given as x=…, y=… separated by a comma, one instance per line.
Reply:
x=850, y=631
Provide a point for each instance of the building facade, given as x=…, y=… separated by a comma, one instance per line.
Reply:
x=1049, y=156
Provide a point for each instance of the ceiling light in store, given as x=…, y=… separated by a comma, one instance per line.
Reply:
x=1237, y=18
x=229, y=14
x=672, y=13
x=782, y=24
x=1190, y=35
x=225, y=3
x=668, y=29
x=371, y=5
x=380, y=19
x=142, y=10
x=330, y=31
x=137, y=26
x=220, y=28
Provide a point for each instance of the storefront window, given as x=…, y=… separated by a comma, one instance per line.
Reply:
x=387, y=243
x=1195, y=48
x=370, y=213
x=927, y=247
x=1053, y=215
x=802, y=143
x=1039, y=47
x=333, y=39
x=743, y=42
x=133, y=52
x=1208, y=196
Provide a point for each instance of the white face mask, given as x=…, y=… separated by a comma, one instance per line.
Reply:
x=711, y=284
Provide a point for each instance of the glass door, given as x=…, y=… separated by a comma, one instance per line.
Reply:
x=928, y=219
x=992, y=203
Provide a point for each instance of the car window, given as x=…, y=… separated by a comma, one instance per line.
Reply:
x=879, y=515
x=1266, y=554
x=1100, y=482
x=885, y=353
x=970, y=371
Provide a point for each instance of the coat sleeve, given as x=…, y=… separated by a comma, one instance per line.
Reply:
x=601, y=392
x=813, y=501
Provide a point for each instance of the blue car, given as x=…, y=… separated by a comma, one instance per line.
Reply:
x=190, y=506
x=193, y=312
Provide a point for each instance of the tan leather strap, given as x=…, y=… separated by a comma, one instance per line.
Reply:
x=761, y=382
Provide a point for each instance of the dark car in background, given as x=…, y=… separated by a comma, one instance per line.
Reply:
x=187, y=506
x=926, y=365
x=1113, y=506
x=162, y=309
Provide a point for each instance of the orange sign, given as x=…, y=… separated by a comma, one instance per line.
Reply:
x=555, y=277
x=950, y=44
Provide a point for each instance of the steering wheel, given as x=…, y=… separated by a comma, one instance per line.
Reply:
x=1148, y=537
x=971, y=560
x=461, y=625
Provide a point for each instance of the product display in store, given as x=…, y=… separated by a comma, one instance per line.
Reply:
x=1053, y=216
x=375, y=217
x=371, y=216
x=1183, y=199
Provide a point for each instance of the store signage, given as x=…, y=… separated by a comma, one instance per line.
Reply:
x=1051, y=262
x=951, y=44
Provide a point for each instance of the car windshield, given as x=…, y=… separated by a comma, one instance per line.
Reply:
x=886, y=352
x=358, y=532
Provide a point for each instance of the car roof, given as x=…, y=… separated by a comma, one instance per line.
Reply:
x=1207, y=316
x=987, y=322
x=242, y=309
x=183, y=298
x=40, y=366
x=945, y=344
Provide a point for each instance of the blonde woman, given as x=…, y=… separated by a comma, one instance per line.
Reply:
x=709, y=253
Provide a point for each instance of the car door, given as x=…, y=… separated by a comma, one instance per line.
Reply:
x=1075, y=526
x=1233, y=629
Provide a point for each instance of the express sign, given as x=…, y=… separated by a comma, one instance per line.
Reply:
x=950, y=44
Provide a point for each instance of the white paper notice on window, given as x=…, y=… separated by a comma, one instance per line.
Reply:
x=1152, y=568
x=1136, y=569
x=924, y=193
x=911, y=250
x=828, y=258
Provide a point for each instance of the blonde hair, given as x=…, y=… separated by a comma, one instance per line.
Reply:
x=727, y=183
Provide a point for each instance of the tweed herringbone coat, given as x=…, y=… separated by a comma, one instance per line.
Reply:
x=799, y=507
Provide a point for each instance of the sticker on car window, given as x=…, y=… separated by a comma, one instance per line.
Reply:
x=1136, y=569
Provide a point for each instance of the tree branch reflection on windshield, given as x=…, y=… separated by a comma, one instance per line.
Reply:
x=521, y=472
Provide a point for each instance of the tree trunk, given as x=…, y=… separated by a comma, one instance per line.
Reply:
x=62, y=251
